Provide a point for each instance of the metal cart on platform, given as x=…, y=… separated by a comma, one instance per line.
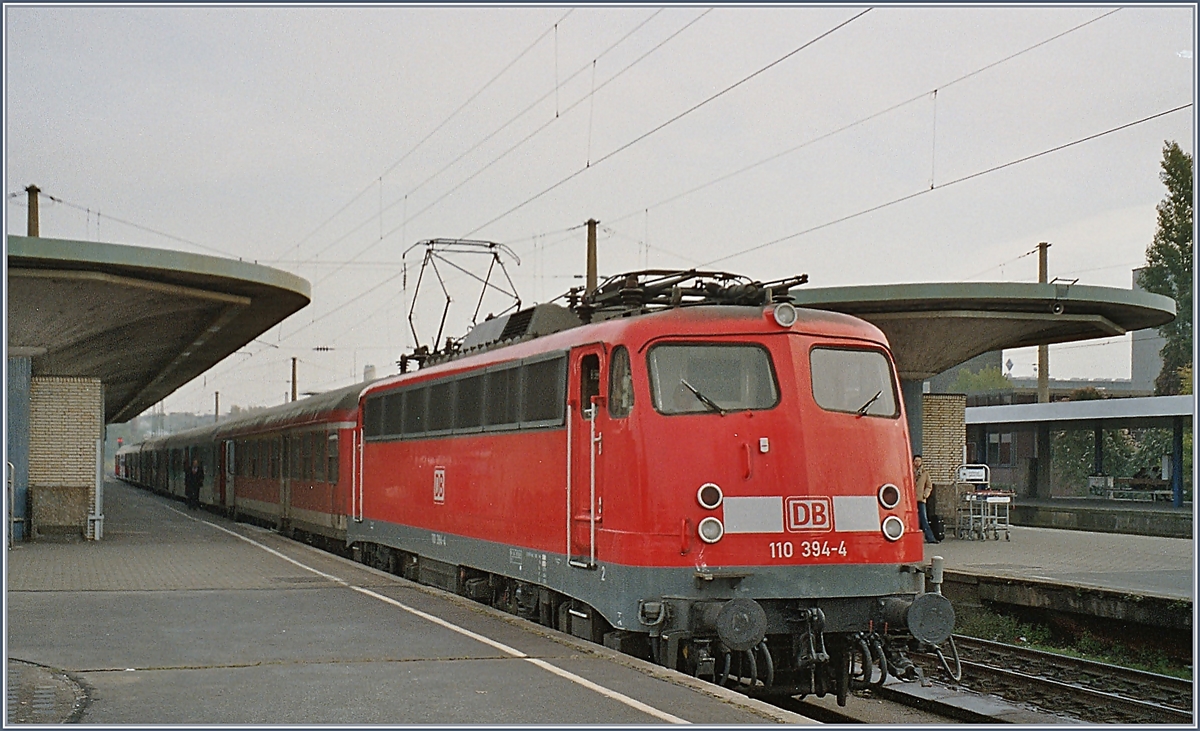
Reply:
x=982, y=512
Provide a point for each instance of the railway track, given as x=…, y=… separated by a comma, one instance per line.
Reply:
x=1083, y=689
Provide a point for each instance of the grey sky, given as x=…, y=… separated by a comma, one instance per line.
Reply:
x=245, y=130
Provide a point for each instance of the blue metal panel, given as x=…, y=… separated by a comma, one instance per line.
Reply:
x=18, y=440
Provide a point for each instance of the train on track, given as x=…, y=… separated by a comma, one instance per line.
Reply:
x=682, y=466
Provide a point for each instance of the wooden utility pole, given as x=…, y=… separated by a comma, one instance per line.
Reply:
x=591, y=255
x=293, y=379
x=1043, y=383
x=216, y=406
x=32, y=222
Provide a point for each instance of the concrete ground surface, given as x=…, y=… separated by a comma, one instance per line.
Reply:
x=174, y=619
x=181, y=617
x=1128, y=563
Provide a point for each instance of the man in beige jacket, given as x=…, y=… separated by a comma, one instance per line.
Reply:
x=924, y=486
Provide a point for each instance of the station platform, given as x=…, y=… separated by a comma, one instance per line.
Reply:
x=184, y=617
x=1128, y=564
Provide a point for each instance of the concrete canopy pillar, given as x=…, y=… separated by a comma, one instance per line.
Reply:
x=1042, y=485
x=912, y=391
x=18, y=445
x=1177, y=461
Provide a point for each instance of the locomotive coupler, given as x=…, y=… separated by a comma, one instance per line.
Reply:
x=653, y=615
x=812, y=641
x=706, y=664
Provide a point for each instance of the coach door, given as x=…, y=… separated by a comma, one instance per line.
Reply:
x=585, y=497
x=225, y=478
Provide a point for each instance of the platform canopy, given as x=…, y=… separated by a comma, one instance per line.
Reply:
x=934, y=327
x=143, y=321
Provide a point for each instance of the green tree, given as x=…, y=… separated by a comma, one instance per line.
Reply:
x=1169, y=265
x=987, y=379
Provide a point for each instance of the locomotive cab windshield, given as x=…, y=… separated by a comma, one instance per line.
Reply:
x=687, y=378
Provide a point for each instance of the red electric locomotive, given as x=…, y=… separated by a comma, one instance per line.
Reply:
x=683, y=466
x=703, y=475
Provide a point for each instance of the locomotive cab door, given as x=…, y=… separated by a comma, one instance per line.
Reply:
x=585, y=500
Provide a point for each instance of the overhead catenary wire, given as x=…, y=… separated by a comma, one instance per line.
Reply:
x=436, y=129
x=138, y=226
x=863, y=120
x=407, y=218
x=667, y=123
x=963, y=179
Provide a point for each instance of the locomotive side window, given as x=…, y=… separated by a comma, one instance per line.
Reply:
x=589, y=382
x=373, y=416
x=853, y=381
x=620, y=384
x=468, y=405
x=530, y=395
x=543, y=393
x=441, y=406
x=414, y=410
x=393, y=414
x=692, y=378
x=503, y=397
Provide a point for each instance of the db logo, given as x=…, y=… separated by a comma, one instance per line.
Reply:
x=439, y=484
x=809, y=513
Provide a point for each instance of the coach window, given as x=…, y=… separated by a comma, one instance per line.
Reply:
x=853, y=381
x=332, y=451
x=695, y=378
x=620, y=384
x=276, y=457
x=306, y=455
x=295, y=458
x=319, y=456
x=589, y=382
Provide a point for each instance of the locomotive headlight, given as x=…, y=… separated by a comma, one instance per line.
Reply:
x=710, y=496
x=893, y=528
x=889, y=496
x=710, y=530
x=785, y=314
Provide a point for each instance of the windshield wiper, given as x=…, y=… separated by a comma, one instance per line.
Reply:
x=712, y=405
x=862, y=410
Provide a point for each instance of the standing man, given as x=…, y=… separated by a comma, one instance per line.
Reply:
x=193, y=481
x=924, y=484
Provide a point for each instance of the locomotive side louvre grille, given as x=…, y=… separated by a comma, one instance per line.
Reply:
x=527, y=395
x=518, y=323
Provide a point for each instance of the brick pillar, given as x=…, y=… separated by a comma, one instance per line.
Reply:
x=943, y=439
x=66, y=420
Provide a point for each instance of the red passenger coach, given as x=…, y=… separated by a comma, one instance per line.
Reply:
x=722, y=488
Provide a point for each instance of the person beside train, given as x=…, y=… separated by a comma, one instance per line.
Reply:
x=924, y=485
x=192, y=482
